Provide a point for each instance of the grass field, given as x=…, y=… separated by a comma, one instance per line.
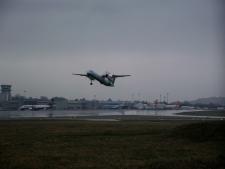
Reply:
x=111, y=145
x=220, y=113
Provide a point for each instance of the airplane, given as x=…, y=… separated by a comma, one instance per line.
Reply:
x=34, y=107
x=104, y=79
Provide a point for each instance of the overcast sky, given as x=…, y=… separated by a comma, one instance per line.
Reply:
x=174, y=46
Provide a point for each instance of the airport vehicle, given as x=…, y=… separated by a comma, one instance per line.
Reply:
x=105, y=79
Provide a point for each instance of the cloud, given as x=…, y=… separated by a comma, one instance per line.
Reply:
x=161, y=42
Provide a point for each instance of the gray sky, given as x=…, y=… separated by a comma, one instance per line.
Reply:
x=174, y=46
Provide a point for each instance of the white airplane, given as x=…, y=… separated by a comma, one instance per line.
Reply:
x=34, y=107
x=104, y=79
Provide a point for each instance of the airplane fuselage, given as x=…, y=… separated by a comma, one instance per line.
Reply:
x=105, y=80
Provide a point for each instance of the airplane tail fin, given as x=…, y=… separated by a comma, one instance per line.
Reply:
x=113, y=79
x=116, y=76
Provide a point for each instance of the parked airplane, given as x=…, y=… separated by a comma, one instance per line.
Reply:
x=34, y=107
x=104, y=79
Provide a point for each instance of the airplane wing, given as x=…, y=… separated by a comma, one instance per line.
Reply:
x=120, y=76
x=79, y=74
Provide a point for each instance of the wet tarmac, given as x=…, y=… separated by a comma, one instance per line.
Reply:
x=109, y=115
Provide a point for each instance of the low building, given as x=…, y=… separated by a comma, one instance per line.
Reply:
x=10, y=105
x=60, y=105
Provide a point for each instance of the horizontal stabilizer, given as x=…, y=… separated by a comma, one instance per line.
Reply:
x=115, y=76
x=79, y=74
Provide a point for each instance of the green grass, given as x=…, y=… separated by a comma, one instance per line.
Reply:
x=111, y=145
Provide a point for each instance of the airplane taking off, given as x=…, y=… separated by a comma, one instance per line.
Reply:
x=104, y=79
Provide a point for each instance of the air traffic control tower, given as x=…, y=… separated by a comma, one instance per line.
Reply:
x=5, y=93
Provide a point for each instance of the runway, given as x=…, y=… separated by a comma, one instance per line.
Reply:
x=114, y=115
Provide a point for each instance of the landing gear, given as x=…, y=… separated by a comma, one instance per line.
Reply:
x=91, y=83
